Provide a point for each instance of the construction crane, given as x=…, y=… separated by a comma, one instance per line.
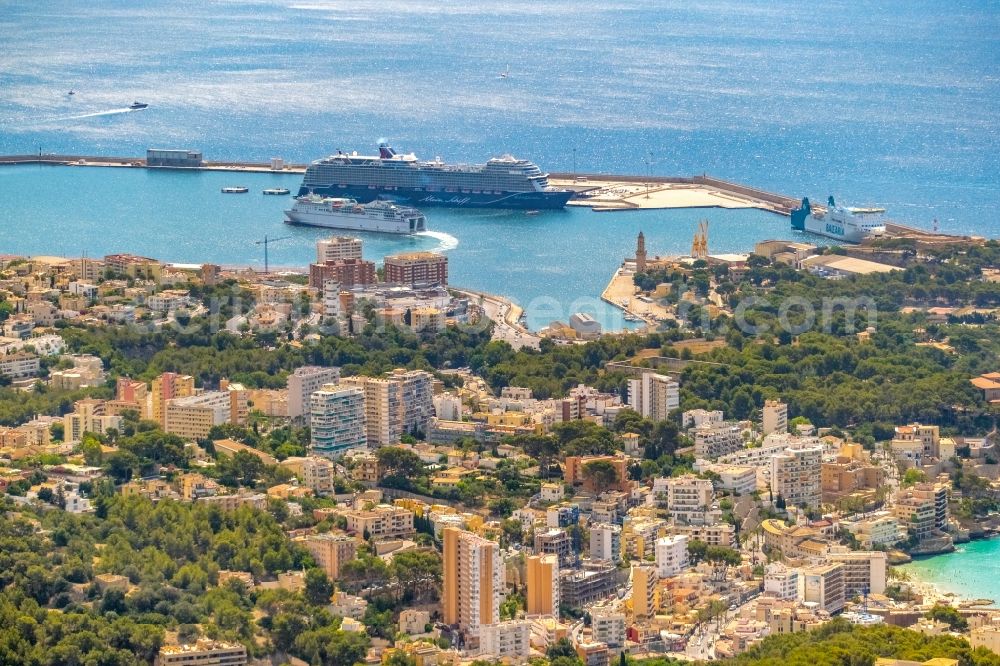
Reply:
x=699, y=247
x=267, y=241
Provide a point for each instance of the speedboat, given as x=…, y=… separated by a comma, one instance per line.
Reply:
x=136, y=106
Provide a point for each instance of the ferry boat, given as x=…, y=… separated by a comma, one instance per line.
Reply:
x=342, y=213
x=850, y=225
x=275, y=191
x=239, y=189
x=502, y=182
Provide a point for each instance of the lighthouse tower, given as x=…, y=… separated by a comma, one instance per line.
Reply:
x=640, y=254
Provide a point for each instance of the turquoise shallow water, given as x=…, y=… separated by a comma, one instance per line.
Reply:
x=971, y=572
x=554, y=263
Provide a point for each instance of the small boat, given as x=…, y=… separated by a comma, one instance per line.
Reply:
x=531, y=212
x=277, y=190
x=136, y=106
x=235, y=190
x=71, y=92
x=505, y=74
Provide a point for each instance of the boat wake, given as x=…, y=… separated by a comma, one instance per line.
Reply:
x=95, y=114
x=445, y=241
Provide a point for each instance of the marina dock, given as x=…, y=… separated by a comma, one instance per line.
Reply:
x=622, y=293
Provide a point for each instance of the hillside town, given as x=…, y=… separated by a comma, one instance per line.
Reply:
x=435, y=514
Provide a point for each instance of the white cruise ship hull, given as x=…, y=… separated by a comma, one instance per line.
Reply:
x=833, y=229
x=848, y=225
x=352, y=222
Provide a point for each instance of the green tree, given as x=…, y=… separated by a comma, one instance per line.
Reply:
x=318, y=589
x=949, y=615
x=397, y=461
x=242, y=469
x=601, y=474
x=697, y=551
x=561, y=648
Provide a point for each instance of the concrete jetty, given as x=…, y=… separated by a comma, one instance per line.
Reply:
x=140, y=162
x=605, y=193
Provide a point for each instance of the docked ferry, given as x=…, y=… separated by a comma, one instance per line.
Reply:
x=342, y=213
x=503, y=182
x=850, y=225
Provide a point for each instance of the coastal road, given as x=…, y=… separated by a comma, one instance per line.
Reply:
x=504, y=316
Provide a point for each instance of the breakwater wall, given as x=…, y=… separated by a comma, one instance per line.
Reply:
x=778, y=202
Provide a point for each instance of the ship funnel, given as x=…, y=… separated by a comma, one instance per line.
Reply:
x=385, y=151
x=798, y=216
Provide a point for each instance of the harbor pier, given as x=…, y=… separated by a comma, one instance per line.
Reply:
x=601, y=192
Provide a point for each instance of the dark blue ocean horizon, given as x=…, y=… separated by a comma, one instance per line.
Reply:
x=891, y=103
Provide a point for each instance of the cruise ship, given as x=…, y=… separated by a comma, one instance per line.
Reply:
x=342, y=213
x=851, y=225
x=503, y=182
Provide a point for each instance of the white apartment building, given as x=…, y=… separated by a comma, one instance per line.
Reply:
x=737, y=479
x=448, y=407
x=795, y=475
x=608, y=626
x=331, y=303
x=689, y=499
x=781, y=582
x=382, y=521
x=671, y=555
x=878, y=529
x=337, y=418
x=864, y=571
x=695, y=418
x=400, y=403
x=712, y=441
x=823, y=584
x=192, y=417
x=774, y=417
x=302, y=383
x=719, y=534
x=552, y=492
x=506, y=640
x=19, y=365
x=654, y=396
x=79, y=422
x=606, y=542
x=316, y=472
x=987, y=636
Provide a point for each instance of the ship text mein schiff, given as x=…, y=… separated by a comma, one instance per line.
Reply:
x=503, y=182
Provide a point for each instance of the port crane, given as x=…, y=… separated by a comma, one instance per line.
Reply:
x=267, y=241
x=699, y=248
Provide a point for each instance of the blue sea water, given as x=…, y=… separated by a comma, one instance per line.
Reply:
x=893, y=103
